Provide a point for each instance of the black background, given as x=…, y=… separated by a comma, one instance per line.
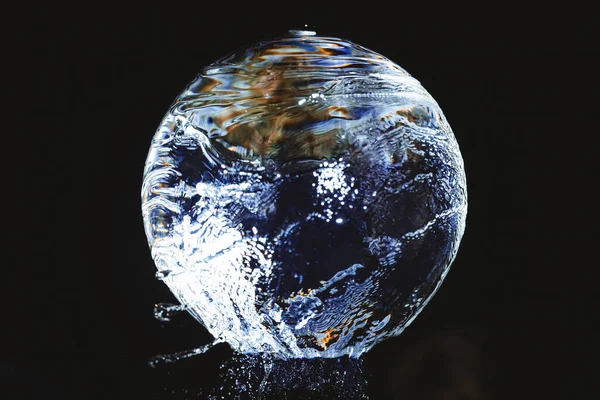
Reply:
x=513, y=318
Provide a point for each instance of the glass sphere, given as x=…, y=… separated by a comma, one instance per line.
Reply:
x=304, y=197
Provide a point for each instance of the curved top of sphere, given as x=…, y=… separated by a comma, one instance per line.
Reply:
x=304, y=197
x=289, y=98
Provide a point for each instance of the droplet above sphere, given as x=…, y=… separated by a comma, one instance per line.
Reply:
x=304, y=197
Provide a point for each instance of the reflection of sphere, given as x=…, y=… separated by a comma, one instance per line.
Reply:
x=304, y=197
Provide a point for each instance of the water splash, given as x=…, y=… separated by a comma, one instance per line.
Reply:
x=252, y=377
x=181, y=355
x=165, y=311
x=303, y=198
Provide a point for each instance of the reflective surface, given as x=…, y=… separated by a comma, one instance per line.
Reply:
x=304, y=198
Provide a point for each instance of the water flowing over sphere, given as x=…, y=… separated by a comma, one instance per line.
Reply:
x=304, y=197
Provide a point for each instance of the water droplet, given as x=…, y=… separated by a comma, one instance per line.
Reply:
x=301, y=32
x=180, y=355
x=165, y=311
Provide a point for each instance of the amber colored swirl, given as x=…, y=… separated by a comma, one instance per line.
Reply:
x=294, y=98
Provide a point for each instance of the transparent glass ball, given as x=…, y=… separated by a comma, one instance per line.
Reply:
x=304, y=197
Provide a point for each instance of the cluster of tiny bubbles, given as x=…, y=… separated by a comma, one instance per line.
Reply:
x=303, y=200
